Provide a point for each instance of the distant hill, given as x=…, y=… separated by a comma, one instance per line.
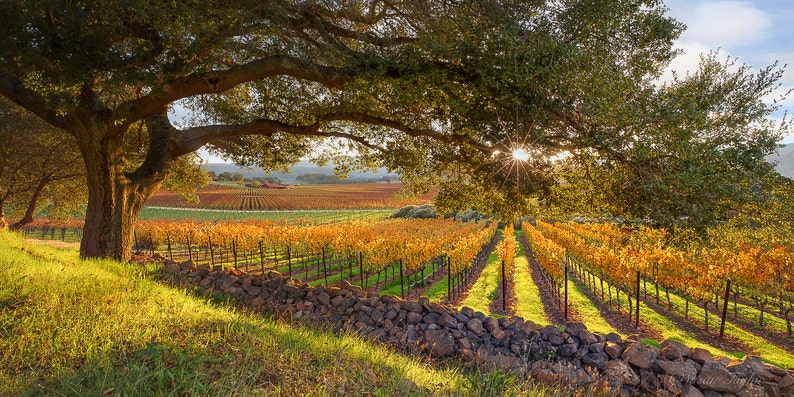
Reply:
x=302, y=168
x=785, y=160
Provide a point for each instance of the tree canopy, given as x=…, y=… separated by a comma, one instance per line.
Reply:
x=700, y=156
x=442, y=92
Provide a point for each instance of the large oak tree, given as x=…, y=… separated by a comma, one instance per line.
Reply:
x=441, y=91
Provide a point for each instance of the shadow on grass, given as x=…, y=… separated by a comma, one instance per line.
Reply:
x=247, y=354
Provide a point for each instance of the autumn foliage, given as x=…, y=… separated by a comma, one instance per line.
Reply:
x=615, y=254
x=380, y=243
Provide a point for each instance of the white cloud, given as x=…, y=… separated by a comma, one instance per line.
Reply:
x=686, y=61
x=721, y=26
x=727, y=24
x=757, y=32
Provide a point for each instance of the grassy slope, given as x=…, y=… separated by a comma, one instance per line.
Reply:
x=590, y=314
x=74, y=327
x=99, y=327
x=667, y=327
x=670, y=330
x=766, y=350
x=438, y=291
x=529, y=304
x=484, y=291
x=291, y=216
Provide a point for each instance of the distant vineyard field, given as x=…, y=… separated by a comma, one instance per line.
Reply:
x=313, y=216
x=341, y=196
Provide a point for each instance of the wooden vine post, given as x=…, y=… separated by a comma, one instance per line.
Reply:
x=212, y=252
x=402, y=283
x=725, y=308
x=306, y=261
x=168, y=241
x=325, y=268
x=361, y=267
x=289, y=261
x=189, y=248
x=449, y=279
x=637, y=315
x=234, y=251
x=261, y=257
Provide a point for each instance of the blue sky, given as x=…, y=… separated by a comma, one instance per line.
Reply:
x=758, y=33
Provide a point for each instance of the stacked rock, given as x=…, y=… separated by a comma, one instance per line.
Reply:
x=572, y=356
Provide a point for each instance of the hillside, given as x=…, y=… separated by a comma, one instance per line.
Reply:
x=98, y=327
x=784, y=159
x=310, y=197
x=302, y=168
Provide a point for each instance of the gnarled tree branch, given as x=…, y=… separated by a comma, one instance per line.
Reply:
x=14, y=89
x=191, y=139
x=220, y=81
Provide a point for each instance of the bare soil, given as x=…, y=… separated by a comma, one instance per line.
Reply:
x=54, y=243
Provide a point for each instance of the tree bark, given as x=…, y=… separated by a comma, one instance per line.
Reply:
x=115, y=198
x=114, y=202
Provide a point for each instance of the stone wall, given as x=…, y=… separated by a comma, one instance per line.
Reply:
x=572, y=356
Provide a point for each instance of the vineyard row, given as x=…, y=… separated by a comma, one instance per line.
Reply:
x=628, y=260
x=402, y=254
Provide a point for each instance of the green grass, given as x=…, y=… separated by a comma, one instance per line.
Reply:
x=438, y=291
x=374, y=278
x=669, y=330
x=528, y=302
x=766, y=350
x=298, y=216
x=336, y=272
x=395, y=288
x=485, y=289
x=751, y=314
x=70, y=234
x=97, y=327
x=591, y=316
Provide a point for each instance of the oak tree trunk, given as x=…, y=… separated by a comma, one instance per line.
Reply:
x=114, y=203
x=115, y=198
